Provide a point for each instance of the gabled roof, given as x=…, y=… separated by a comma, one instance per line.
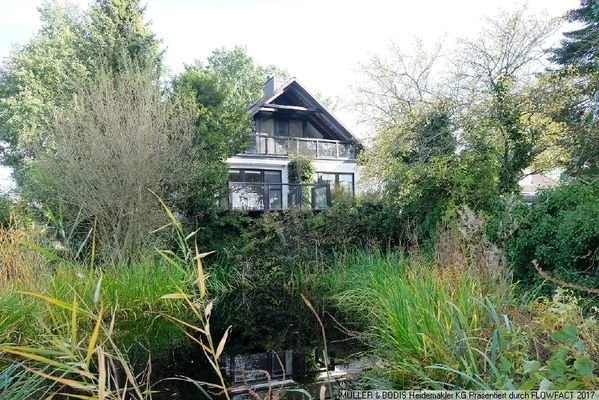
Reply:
x=305, y=102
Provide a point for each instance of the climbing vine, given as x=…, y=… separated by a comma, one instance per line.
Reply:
x=301, y=170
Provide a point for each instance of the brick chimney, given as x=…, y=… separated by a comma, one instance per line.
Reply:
x=272, y=84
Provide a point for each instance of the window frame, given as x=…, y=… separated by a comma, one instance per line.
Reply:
x=243, y=170
x=336, y=174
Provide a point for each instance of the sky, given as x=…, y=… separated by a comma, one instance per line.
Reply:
x=320, y=42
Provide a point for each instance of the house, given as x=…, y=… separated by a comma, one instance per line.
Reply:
x=290, y=123
x=532, y=183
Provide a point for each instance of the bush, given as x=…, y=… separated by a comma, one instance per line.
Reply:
x=552, y=349
x=271, y=248
x=118, y=142
x=561, y=232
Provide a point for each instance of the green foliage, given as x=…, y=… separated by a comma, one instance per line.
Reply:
x=515, y=144
x=37, y=79
x=19, y=384
x=76, y=360
x=555, y=351
x=301, y=170
x=274, y=248
x=560, y=231
x=445, y=327
x=71, y=47
x=237, y=71
x=574, y=90
x=419, y=315
x=220, y=92
x=422, y=173
x=6, y=205
x=117, y=35
x=579, y=47
x=222, y=129
x=130, y=292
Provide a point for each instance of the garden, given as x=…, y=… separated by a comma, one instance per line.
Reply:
x=123, y=277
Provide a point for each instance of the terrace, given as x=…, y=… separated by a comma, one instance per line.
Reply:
x=262, y=196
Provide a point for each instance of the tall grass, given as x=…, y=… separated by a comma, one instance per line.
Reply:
x=17, y=383
x=418, y=315
x=86, y=320
x=75, y=362
x=132, y=293
x=18, y=266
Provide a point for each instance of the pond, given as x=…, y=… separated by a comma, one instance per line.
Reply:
x=275, y=344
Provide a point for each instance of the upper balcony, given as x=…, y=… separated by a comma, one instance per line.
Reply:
x=310, y=147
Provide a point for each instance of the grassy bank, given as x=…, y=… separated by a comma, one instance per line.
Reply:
x=131, y=293
x=434, y=326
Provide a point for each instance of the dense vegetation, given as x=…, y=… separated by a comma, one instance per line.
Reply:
x=117, y=259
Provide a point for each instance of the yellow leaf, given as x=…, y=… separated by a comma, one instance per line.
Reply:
x=94, y=338
x=52, y=300
x=67, y=382
x=44, y=360
x=221, y=345
x=201, y=277
x=174, y=296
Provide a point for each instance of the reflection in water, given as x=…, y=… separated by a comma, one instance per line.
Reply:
x=274, y=343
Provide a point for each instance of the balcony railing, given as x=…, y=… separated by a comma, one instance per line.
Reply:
x=262, y=196
x=314, y=148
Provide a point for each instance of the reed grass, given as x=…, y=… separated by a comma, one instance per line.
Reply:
x=417, y=315
x=17, y=383
x=76, y=362
x=19, y=266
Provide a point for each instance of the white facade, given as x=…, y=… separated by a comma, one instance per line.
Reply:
x=280, y=164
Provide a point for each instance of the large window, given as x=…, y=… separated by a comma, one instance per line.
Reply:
x=299, y=128
x=338, y=181
x=254, y=189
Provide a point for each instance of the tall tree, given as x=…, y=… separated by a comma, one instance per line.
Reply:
x=397, y=83
x=497, y=67
x=38, y=79
x=416, y=157
x=71, y=47
x=221, y=91
x=580, y=47
x=574, y=91
x=117, y=34
x=238, y=72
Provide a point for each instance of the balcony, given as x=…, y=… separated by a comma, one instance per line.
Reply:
x=313, y=148
x=262, y=196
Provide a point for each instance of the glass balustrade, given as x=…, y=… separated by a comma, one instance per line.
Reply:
x=262, y=196
x=313, y=148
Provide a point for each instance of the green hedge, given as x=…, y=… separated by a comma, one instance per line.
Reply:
x=560, y=231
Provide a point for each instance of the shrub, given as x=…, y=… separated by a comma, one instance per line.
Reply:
x=553, y=349
x=301, y=170
x=561, y=232
x=269, y=249
x=118, y=141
